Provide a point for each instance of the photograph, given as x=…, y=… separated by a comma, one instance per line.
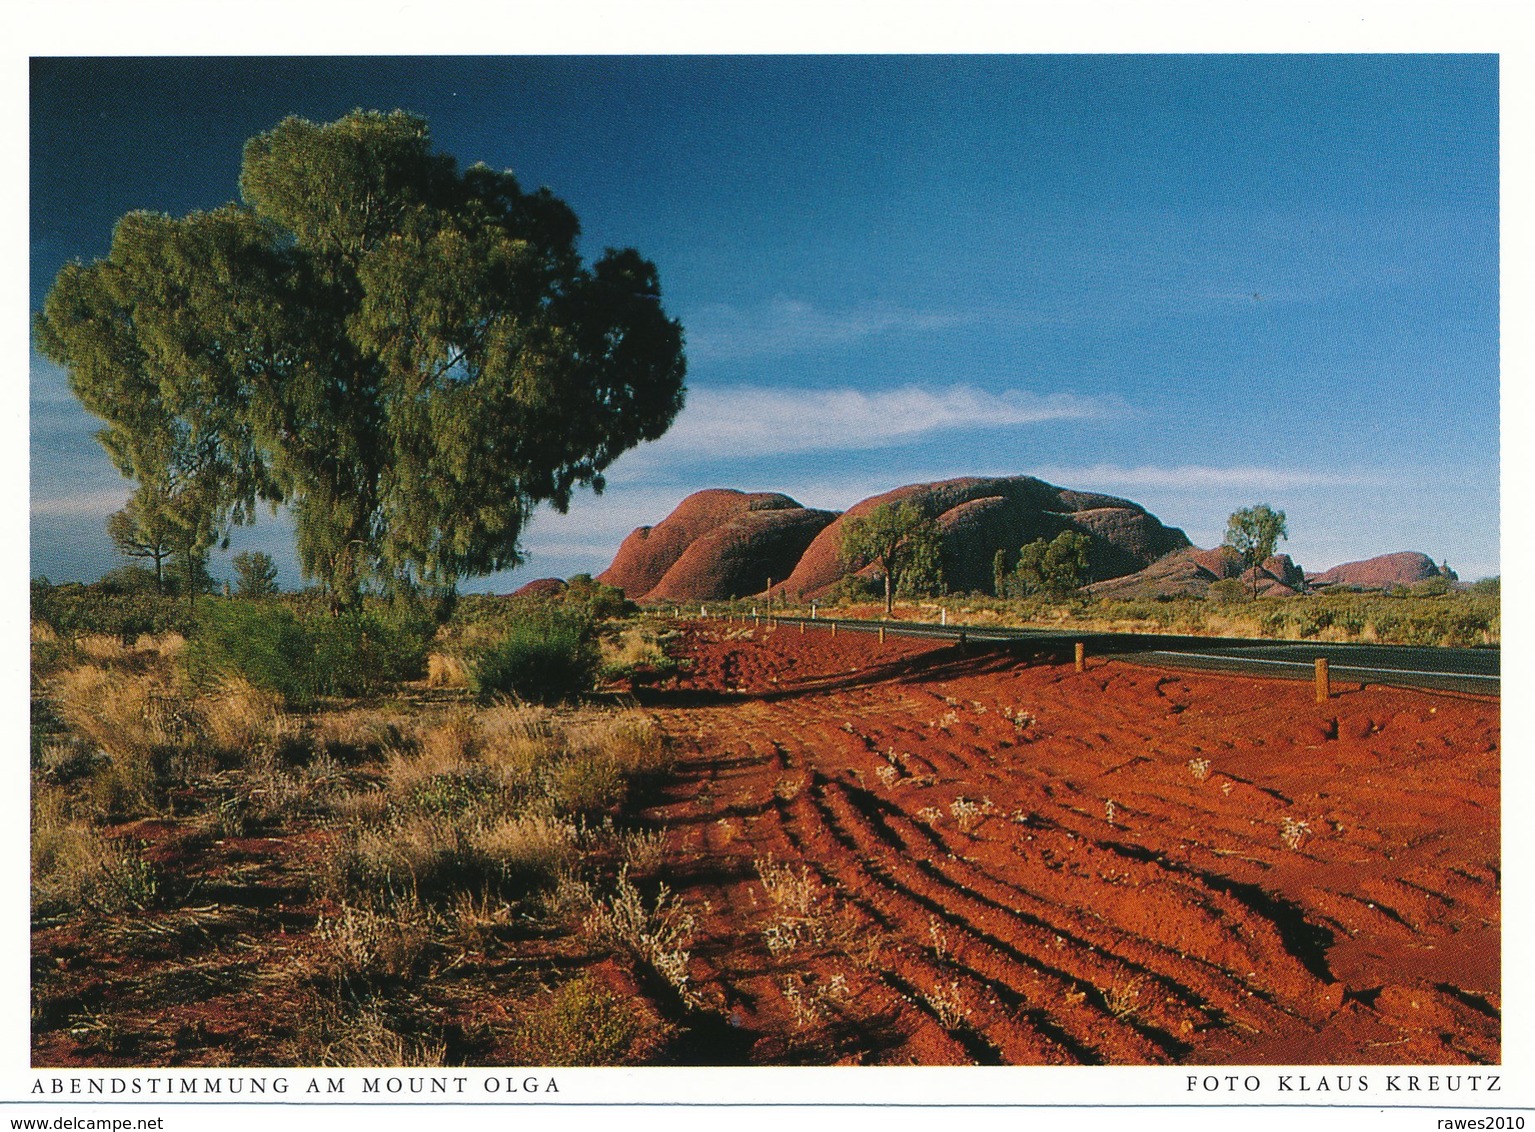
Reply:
x=740, y=563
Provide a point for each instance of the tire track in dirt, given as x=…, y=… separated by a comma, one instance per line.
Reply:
x=1030, y=865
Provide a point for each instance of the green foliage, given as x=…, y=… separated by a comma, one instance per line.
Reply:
x=1228, y=591
x=1254, y=532
x=410, y=355
x=130, y=579
x=255, y=574
x=595, y=601
x=999, y=572
x=543, y=657
x=302, y=658
x=902, y=542
x=1486, y=588
x=853, y=589
x=72, y=609
x=1055, y=566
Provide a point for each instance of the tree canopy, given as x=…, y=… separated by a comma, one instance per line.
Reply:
x=1055, y=566
x=901, y=541
x=1254, y=532
x=410, y=356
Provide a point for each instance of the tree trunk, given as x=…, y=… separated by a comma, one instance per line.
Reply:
x=889, y=596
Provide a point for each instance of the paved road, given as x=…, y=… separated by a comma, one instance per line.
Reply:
x=1461, y=670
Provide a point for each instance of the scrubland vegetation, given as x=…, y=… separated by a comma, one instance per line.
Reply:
x=1429, y=614
x=299, y=838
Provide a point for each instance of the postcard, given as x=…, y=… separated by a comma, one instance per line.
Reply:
x=944, y=579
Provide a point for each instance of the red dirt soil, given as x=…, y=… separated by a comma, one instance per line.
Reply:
x=1010, y=862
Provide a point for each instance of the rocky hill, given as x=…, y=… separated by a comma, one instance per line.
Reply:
x=1190, y=572
x=1404, y=568
x=721, y=544
x=717, y=544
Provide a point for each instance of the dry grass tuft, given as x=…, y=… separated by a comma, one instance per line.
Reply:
x=658, y=935
x=444, y=670
x=580, y=1023
x=359, y=946
x=75, y=868
x=243, y=721
x=365, y=1037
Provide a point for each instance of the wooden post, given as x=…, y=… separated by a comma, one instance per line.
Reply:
x=881, y=634
x=834, y=628
x=802, y=628
x=1081, y=657
x=1323, y=689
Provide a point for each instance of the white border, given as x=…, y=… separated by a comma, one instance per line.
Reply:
x=182, y=27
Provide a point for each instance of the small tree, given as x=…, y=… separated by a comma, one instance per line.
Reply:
x=1253, y=532
x=137, y=533
x=255, y=573
x=999, y=572
x=188, y=573
x=1055, y=566
x=900, y=540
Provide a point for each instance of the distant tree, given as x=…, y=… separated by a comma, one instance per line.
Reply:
x=409, y=355
x=255, y=573
x=596, y=601
x=130, y=579
x=138, y=532
x=188, y=573
x=1254, y=532
x=1055, y=566
x=900, y=540
x=1487, y=587
x=999, y=572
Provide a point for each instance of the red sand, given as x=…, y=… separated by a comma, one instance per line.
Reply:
x=1016, y=863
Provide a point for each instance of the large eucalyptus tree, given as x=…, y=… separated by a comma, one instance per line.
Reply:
x=410, y=356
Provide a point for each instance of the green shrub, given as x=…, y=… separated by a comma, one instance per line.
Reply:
x=73, y=609
x=359, y=654
x=1229, y=591
x=545, y=658
x=300, y=659
x=596, y=601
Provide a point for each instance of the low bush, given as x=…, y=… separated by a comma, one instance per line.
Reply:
x=581, y=1023
x=72, y=610
x=546, y=658
x=302, y=658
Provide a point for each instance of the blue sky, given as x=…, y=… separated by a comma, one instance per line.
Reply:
x=1197, y=281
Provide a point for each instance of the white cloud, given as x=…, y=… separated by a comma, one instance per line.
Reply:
x=790, y=326
x=756, y=420
x=81, y=504
x=1200, y=476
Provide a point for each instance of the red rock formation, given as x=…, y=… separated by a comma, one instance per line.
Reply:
x=979, y=516
x=649, y=552
x=541, y=587
x=717, y=544
x=1190, y=572
x=1404, y=568
x=737, y=558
